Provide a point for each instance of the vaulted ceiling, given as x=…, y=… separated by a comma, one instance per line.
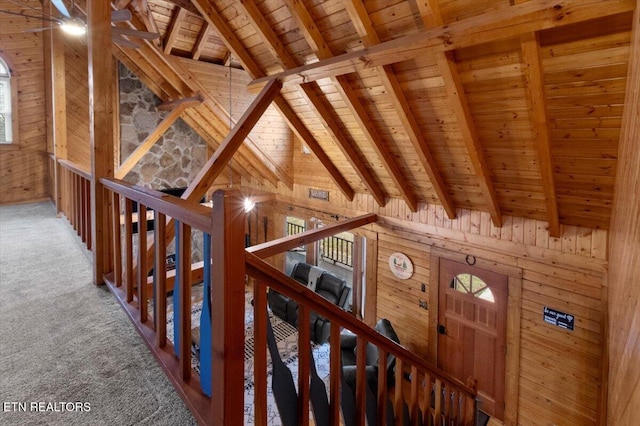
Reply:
x=506, y=106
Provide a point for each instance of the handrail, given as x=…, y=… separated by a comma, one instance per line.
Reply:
x=75, y=168
x=281, y=283
x=73, y=197
x=292, y=241
x=220, y=348
x=193, y=214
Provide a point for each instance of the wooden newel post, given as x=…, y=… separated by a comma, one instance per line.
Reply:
x=227, y=308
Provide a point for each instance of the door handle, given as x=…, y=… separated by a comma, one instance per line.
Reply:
x=442, y=330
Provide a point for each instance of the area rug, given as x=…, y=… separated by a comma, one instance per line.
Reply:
x=286, y=337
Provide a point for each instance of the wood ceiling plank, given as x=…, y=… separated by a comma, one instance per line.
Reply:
x=314, y=37
x=270, y=167
x=210, y=128
x=186, y=86
x=323, y=113
x=495, y=24
x=364, y=27
x=174, y=29
x=185, y=4
x=219, y=160
x=430, y=13
x=305, y=135
x=201, y=41
x=236, y=47
x=535, y=85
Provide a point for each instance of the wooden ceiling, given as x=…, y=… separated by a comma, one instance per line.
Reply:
x=511, y=107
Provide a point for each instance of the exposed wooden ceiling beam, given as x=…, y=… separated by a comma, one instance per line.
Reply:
x=187, y=102
x=315, y=39
x=322, y=112
x=366, y=31
x=149, y=142
x=225, y=116
x=142, y=11
x=298, y=127
x=431, y=16
x=211, y=15
x=121, y=4
x=236, y=47
x=495, y=24
x=458, y=99
x=148, y=61
x=174, y=29
x=535, y=84
x=186, y=5
x=205, y=31
x=253, y=159
x=325, y=114
x=219, y=160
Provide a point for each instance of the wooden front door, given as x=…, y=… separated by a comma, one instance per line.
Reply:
x=471, y=329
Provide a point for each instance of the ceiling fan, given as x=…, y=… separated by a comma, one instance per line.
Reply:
x=75, y=25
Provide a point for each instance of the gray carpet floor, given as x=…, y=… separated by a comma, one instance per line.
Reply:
x=64, y=340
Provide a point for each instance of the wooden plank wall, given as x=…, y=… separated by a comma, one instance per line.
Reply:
x=559, y=375
x=23, y=171
x=624, y=267
x=78, y=132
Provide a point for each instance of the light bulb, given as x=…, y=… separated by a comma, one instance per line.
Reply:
x=74, y=27
x=248, y=205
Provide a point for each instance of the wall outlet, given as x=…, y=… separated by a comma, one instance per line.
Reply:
x=422, y=304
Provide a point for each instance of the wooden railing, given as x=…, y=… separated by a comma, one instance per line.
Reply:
x=419, y=389
x=74, y=198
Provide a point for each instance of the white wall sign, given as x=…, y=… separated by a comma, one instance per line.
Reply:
x=401, y=266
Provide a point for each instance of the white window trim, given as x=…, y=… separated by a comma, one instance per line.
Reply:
x=13, y=111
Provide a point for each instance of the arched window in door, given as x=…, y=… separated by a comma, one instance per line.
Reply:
x=475, y=286
x=6, y=104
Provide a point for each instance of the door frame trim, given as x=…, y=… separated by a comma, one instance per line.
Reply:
x=512, y=334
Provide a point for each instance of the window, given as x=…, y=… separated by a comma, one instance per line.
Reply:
x=470, y=284
x=6, y=123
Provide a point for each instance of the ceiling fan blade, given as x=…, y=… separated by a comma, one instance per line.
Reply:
x=36, y=30
x=117, y=38
x=61, y=8
x=121, y=15
x=135, y=33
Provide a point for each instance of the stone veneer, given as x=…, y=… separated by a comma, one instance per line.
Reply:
x=176, y=157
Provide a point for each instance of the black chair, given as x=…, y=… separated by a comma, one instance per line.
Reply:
x=282, y=306
x=336, y=291
x=329, y=286
x=348, y=354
